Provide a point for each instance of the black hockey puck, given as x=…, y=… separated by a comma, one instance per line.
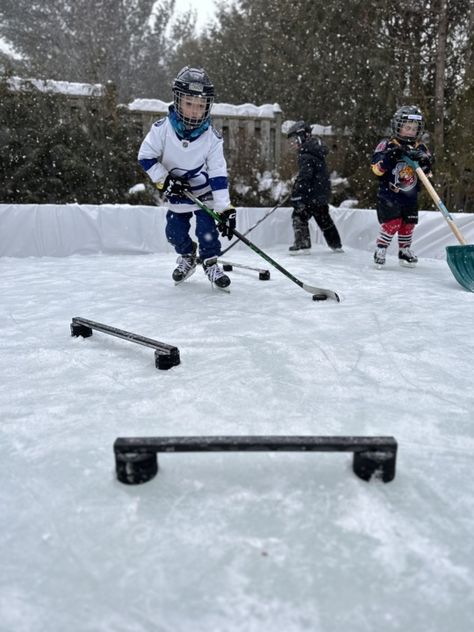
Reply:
x=133, y=468
x=264, y=275
x=227, y=267
x=319, y=297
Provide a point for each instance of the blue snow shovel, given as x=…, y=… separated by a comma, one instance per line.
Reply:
x=460, y=258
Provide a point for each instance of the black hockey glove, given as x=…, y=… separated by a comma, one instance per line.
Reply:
x=227, y=224
x=421, y=157
x=173, y=186
x=297, y=203
x=414, y=154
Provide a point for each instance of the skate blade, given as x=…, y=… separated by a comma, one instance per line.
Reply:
x=221, y=289
x=299, y=253
x=186, y=277
x=406, y=264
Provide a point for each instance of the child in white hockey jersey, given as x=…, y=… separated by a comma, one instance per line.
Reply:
x=183, y=152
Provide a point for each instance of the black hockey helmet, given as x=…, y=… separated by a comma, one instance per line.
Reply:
x=299, y=131
x=408, y=114
x=193, y=82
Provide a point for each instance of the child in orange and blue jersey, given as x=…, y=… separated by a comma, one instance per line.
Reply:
x=397, y=198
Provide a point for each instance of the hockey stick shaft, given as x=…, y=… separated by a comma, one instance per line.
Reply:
x=256, y=249
x=437, y=200
x=239, y=265
x=257, y=223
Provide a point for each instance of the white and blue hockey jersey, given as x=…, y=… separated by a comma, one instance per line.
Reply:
x=200, y=161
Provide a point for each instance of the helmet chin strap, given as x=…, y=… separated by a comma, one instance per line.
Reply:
x=408, y=141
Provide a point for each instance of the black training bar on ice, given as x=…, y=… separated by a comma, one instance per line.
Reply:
x=136, y=458
x=227, y=266
x=166, y=356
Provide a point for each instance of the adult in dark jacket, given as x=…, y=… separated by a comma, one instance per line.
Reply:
x=311, y=190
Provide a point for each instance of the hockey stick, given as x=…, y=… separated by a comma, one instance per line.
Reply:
x=239, y=265
x=436, y=199
x=319, y=294
x=259, y=222
x=460, y=258
x=228, y=265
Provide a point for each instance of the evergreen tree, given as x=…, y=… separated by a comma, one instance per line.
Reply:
x=123, y=41
x=51, y=152
x=348, y=65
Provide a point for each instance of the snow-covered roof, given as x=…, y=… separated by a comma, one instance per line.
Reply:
x=321, y=130
x=316, y=130
x=249, y=110
x=60, y=87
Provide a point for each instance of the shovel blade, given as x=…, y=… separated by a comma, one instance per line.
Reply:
x=461, y=261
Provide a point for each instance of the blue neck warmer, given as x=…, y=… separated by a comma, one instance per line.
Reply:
x=182, y=131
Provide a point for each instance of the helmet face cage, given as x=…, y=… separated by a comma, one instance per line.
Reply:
x=193, y=96
x=408, y=114
x=191, y=117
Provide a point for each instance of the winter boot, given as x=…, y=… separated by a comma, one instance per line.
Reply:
x=407, y=258
x=302, y=248
x=186, y=266
x=215, y=274
x=332, y=237
x=379, y=256
x=302, y=244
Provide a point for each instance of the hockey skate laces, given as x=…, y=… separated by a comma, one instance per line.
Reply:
x=184, y=263
x=213, y=272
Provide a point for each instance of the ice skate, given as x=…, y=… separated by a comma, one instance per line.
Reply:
x=186, y=266
x=379, y=257
x=406, y=258
x=303, y=248
x=215, y=274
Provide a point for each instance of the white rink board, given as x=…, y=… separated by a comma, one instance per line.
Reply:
x=41, y=230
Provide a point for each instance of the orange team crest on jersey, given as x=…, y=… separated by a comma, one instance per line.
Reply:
x=405, y=176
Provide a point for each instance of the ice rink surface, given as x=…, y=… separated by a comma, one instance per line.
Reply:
x=251, y=542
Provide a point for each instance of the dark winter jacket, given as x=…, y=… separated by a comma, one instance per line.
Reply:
x=398, y=182
x=312, y=185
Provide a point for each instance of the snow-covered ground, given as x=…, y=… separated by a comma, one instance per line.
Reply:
x=254, y=542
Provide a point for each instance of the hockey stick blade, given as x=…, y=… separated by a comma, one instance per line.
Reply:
x=321, y=292
x=315, y=291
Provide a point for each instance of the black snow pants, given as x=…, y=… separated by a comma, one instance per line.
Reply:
x=320, y=212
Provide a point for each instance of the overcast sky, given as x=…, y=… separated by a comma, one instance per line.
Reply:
x=205, y=9
x=205, y=12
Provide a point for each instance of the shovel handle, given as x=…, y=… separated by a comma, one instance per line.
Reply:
x=436, y=199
